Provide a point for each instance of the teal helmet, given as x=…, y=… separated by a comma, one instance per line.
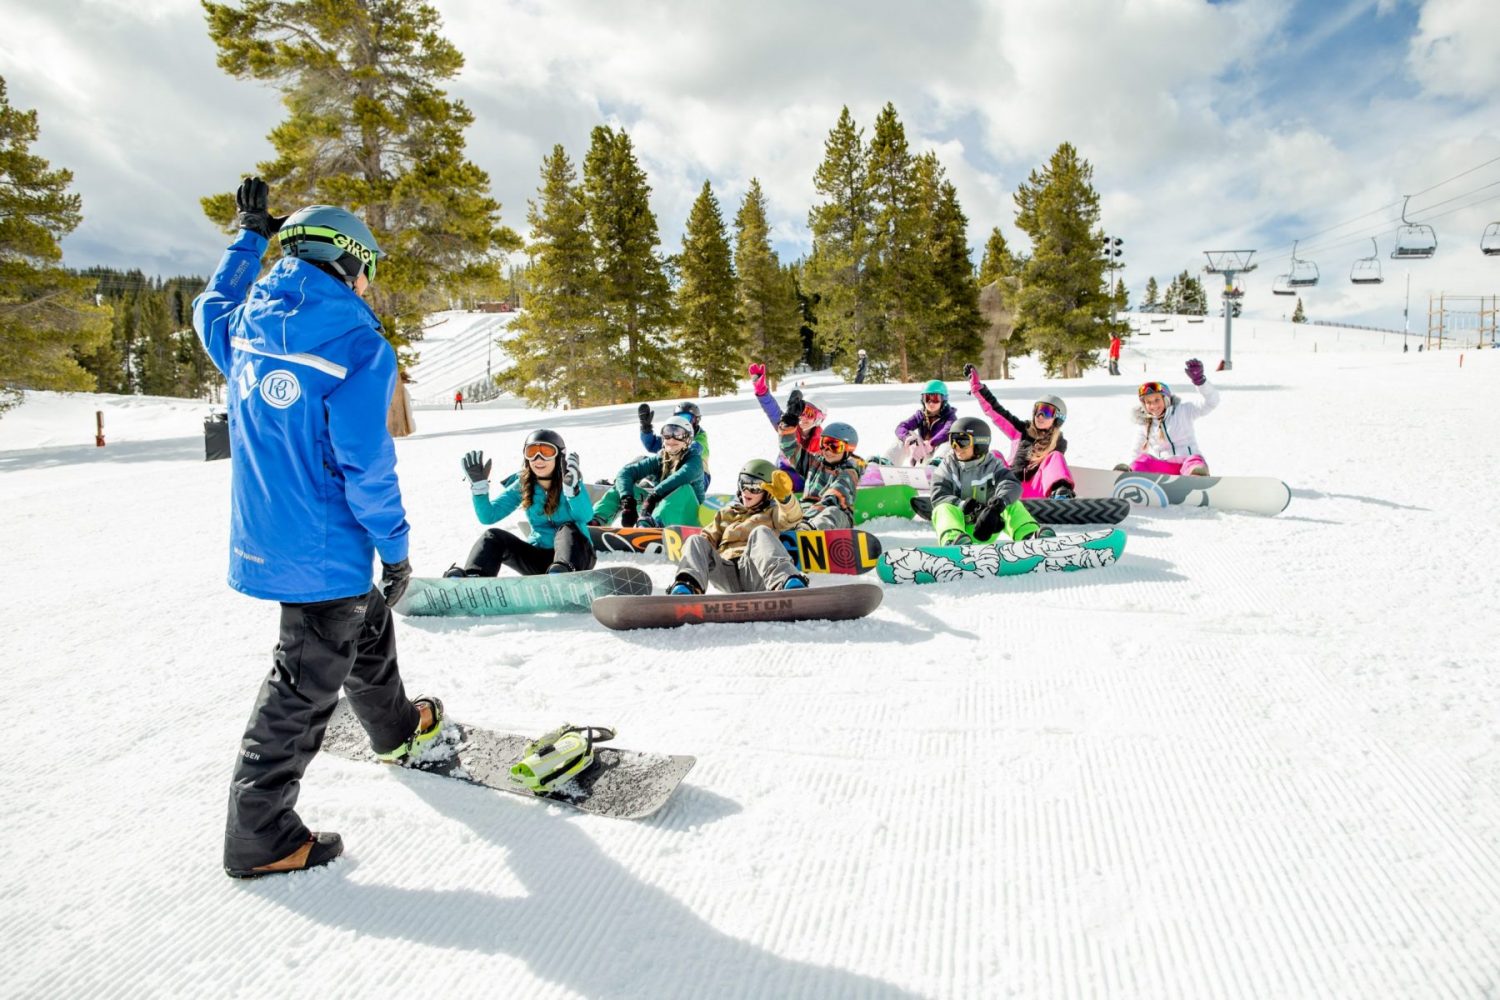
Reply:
x=335, y=237
x=936, y=387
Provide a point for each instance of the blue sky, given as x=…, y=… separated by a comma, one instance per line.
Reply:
x=1210, y=125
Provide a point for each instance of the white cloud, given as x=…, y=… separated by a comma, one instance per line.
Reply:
x=1456, y=51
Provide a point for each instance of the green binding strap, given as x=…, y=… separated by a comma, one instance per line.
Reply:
x=558, y=757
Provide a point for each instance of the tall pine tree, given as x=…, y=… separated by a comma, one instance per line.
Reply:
x=710, y=343
x=48, y=317
x=901, y=284
x=368, y=128
x=1152, y=301
x=997, y=262
x=944, y=296
x=1064, y=302
x=635, y=300
x=837, y=271
x=559, y=354
x=770, y=317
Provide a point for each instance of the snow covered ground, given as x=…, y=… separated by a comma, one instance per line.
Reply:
x=1257, y=758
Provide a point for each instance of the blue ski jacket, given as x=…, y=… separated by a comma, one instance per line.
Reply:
x=576, y=509
x=314, y=493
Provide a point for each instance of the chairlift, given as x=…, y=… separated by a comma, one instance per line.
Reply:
x=1162, y=320
x=1283, y=285
x=1234, y=291
x=1414, y=240
x=1489, y=243
x=1195, y=319
x=1304, y=273
x=1366, y=270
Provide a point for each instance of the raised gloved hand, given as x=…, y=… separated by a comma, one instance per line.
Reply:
x=794, y=408
x=477, y=468
x=972, y=374
x=1194, y=369
x=758, y=379
x=780, y=486
x=393, y=580
x=572, y=479
x=628, y=515
x=644, y=412
x=251, y=200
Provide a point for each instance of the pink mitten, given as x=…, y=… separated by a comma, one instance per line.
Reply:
x=758, y=374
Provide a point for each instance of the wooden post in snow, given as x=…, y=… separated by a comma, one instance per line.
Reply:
x=98, y=428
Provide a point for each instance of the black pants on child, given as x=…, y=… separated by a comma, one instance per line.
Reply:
x=347, y=643
x=571, y=551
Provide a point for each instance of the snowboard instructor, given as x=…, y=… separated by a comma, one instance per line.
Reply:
x=313, y=497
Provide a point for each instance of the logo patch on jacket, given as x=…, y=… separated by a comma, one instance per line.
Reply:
x=280, y=388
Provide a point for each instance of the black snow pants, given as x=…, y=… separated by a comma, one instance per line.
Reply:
x=347, y=643
x=571, y=551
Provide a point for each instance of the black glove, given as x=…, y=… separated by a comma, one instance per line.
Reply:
x=971, y=508
x=393, y=580
x=251, y=200
x=644, y=412
x=477, y=468
x=627, y=512
x=649, y=507
x=991, y=518
x=794, y=408
x=968, y=369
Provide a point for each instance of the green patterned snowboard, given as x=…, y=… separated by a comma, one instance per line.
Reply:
x=945, y=563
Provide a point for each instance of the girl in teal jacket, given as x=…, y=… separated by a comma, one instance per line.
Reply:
x=550, y=491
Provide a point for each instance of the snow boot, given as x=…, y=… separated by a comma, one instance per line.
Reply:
x=1063, y=491
x=794, y=583
x=319, y=849
x=684, y=587
x=420, y=740
x=454, y=572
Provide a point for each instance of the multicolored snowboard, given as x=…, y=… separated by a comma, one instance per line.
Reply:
x=870, y=502
x=1050, y=510
x=646, y=540
x=833, y=603
x=1252, y=494
x=622, y=784
x=486, y=596
x=846, y=551
x=944, y=563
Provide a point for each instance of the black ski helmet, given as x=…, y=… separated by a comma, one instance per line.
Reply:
x=978, y=428
x=691, y=409
x=543, y=436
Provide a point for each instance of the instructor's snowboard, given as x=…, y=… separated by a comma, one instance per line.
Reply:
x=943, y=563
x=835, y=603
x=622, y=784
x=846, y=551
x=483, y=596
x=1252, y=494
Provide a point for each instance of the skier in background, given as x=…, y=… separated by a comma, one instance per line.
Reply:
x=863, y=369
x=1167, y=441
x=314, y=498
x=1114, y=354
x=549, y=490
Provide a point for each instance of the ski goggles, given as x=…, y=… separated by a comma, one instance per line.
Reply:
x=540, y=450
x=752, y=484
x=1150, y=388
x=676, y=433
x=834, y=445
x=934, y=397
x=1044, y=410
x=965, y=439
x=810, y=412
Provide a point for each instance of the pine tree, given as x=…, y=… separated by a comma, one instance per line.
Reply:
x=837, y=272
x=1064, y=302
x=635, y=300
x=368, y=128
x=711, y=344
x=1153, y=296
x=1122, y=297
x=769, y=314
x=1298, y=315
x=48, y=317
x=997, y=261
x=899, y=284
x=558, y=353
x=945, y=302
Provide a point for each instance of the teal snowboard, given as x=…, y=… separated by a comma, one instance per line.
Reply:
x=944, y=563
x=485, y=596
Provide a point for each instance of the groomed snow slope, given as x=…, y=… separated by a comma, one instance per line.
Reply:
x=1257, y=758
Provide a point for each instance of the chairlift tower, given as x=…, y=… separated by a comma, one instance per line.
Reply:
x=1229, y=263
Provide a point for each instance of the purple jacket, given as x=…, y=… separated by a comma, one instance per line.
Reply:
x=934, y=431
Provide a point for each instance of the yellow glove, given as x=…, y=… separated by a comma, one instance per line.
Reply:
x=780, y=486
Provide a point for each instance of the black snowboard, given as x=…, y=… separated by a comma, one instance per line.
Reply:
x=622, y=784
x=1085, y=510
x=836, y=603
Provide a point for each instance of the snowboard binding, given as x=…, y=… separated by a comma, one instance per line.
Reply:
x=558, y=757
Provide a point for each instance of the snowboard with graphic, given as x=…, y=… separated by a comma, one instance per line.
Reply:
x=870, y=502
x=486, y=596
x=1251, y=494
x=832, y=603
x=639, y=540
x=1050, y=510
x=845, y=551
x=621, y=784
x=944, y=563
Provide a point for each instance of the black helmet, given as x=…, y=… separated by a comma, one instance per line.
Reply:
x=691, y=409
x=543, y=436
x=973, y=427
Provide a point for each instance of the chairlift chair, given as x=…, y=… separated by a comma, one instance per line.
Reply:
x=1489, y=243
x=1283, y=285
x=1304, y=273
x=1414, y=240
x=1366, y=270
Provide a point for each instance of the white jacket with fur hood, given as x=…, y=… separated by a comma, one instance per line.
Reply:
x=1172, y=436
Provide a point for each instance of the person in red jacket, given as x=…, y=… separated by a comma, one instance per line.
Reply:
x=458, y=400
x=1114, y=355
